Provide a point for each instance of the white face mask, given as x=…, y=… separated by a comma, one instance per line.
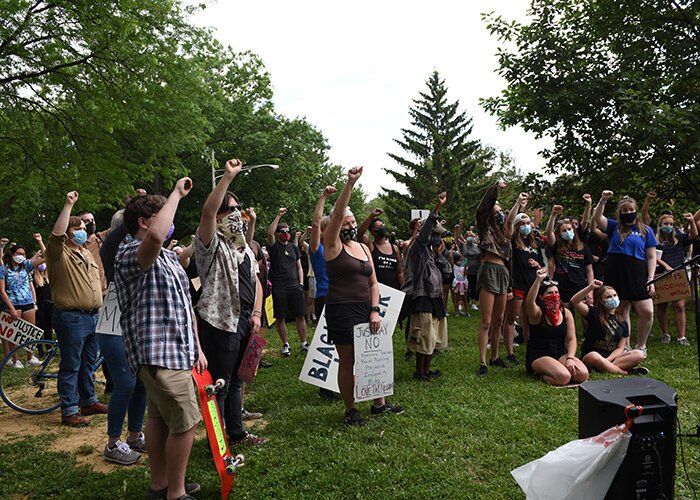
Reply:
x=232, y=228
x=19, y=259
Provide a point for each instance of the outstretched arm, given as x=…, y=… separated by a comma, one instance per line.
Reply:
x=331, y=240
x=586, y=211
x=273, y=226
x=549, y=230
x=362, y=230
x=315, y=240
x=207, y=224
x=534, y=313
x=600, y=219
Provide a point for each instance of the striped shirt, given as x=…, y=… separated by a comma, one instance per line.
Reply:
x=157, y=319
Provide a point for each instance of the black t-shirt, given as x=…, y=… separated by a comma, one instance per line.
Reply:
x=523, y=276
x=600, y=338
x=570, y=268
x=246, y=285
x=304, y=261
x=283, y=266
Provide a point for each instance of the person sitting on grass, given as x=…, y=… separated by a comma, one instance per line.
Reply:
x=551, y=349
x=603, y=349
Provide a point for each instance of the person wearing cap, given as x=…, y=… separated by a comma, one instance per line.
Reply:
x=428, y=311
x=493, y=280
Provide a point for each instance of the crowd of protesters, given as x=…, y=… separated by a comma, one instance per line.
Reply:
x=196, y=306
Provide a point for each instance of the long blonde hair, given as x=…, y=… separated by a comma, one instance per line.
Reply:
x=624, y=229
x=40, y=279
x=660, y=236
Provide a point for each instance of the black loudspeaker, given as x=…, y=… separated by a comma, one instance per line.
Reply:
x=648, y=471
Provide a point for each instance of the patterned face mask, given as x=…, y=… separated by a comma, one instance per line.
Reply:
x=552, y=308
x=232, y=227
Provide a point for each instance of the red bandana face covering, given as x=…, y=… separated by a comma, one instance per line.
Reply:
x=552, y=308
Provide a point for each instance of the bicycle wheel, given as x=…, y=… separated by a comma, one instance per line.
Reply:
x=33, y=389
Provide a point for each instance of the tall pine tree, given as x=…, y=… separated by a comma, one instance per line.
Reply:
x=438, y=156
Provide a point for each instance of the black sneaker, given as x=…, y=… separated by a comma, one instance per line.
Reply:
x=512, y=360
x=264, y=364
x=638, y=370
x=163, y=494
x=499, y=362
x=408, y=356
x=353, y=417
x=483, y=370
x=434, y=374
x=387, y=408
x=421, y=377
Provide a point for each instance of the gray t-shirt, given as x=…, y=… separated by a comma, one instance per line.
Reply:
x=473, y=256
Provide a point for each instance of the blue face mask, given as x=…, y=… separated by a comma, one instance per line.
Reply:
x=525, y=229
x=612, y=302
x=666, y=229
x=568, y=235
x=79, y=236
x=500, y=217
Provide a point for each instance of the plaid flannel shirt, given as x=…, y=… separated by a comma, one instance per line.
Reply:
x=156, y=310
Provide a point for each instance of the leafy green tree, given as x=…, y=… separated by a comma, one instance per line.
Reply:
x=614, y=83
x=439, y=155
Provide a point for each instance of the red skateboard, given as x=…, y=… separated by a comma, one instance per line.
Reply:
x=226, y=464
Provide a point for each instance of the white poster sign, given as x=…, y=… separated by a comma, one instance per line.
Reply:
x=374, y=363
x=420, y=214
x=18, y=331
x=321, y=363
x=110, y=314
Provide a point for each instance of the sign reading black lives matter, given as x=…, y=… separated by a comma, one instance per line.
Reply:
x=321, y=363
x=110, y=314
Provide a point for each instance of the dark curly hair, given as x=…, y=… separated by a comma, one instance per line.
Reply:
x=141, y=206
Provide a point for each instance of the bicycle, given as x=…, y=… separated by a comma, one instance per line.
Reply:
x=33, y=390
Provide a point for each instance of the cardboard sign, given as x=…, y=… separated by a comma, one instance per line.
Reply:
x=251, y=358
x=110, y=314
x=419, y=214
x=269, y=311
x=321, y=363
x=374, y=363
x=18, y=331
x=672, y=287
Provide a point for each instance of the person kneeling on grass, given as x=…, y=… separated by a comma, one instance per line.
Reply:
x=607, y=331
x=551, y=349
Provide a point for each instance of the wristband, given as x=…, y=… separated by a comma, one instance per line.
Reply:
x=257, y=313
x=375, y=309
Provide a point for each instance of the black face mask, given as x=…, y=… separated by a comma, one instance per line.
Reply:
x=348, y=234
x=380, y=232
x=628, y=218
x=90, y=228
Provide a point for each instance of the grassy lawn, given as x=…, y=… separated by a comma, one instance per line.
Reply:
x=459, y=437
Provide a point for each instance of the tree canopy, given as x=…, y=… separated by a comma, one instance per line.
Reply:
x=615, y=84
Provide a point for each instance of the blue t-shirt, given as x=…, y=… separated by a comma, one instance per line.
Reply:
x=318, y=262
x=17, y=283
x=634, y=245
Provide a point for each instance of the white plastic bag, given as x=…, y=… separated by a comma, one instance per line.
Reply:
x=581, y=469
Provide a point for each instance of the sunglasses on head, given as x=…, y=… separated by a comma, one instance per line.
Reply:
x=548, y=282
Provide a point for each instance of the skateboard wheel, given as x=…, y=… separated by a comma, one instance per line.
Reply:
x=219, y=384
x=240, y=458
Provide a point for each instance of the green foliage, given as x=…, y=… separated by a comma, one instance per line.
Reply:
x=614, y=83
x=439, y=156
x=106, y=97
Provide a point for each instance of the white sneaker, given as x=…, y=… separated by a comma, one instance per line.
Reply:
x=286, y=350
x=34, y=361
x=10, y=363
x=665, y=338
x=18, y=365
x=475, y=307
x=642, y=348
x=683, y=341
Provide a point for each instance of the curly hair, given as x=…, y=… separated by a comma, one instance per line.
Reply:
x=141, y=206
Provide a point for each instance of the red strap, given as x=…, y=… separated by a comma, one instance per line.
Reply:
x=636, y=411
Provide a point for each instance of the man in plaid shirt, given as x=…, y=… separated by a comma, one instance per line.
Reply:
x=160, y=337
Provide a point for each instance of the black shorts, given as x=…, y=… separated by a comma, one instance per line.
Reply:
x=24, y=307
x=342, y=318
x=289, y=302
x=627, y=275
x=319, y=302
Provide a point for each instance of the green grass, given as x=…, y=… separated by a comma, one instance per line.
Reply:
x=459, y=437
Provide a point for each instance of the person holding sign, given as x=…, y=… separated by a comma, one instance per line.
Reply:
x=631, y=262
x=230, y=307
x=353, y=296
x=428, y=320
x=603, y=349
x=674, y=247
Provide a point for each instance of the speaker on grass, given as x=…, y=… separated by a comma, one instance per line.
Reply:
x=649, y=468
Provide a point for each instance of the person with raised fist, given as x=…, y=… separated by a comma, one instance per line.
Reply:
x=76, y=289
x=160, y=337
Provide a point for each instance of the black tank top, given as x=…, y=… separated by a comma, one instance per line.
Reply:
x=348, y=279
x=385, y=267
x=543, y=334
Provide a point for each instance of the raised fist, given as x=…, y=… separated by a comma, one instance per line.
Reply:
x=72, y=197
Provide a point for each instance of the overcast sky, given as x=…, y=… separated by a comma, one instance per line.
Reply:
x=353, y=68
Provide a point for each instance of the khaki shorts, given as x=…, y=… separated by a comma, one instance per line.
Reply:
x=427, y=333
x=493, y=278
x=171, y=397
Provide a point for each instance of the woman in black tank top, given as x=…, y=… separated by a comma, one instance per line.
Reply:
x=551, y=349
x=353, y=296
x=388, y=261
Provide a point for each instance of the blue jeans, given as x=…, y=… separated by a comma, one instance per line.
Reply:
x=75, y=332
x=128, y=393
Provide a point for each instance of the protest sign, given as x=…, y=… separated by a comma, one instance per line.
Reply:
x=672, y=287
x=419, y=214
x=18, y=331
x=374, y=363
x=321, y=363
x=110, y=314
x=269, y=311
